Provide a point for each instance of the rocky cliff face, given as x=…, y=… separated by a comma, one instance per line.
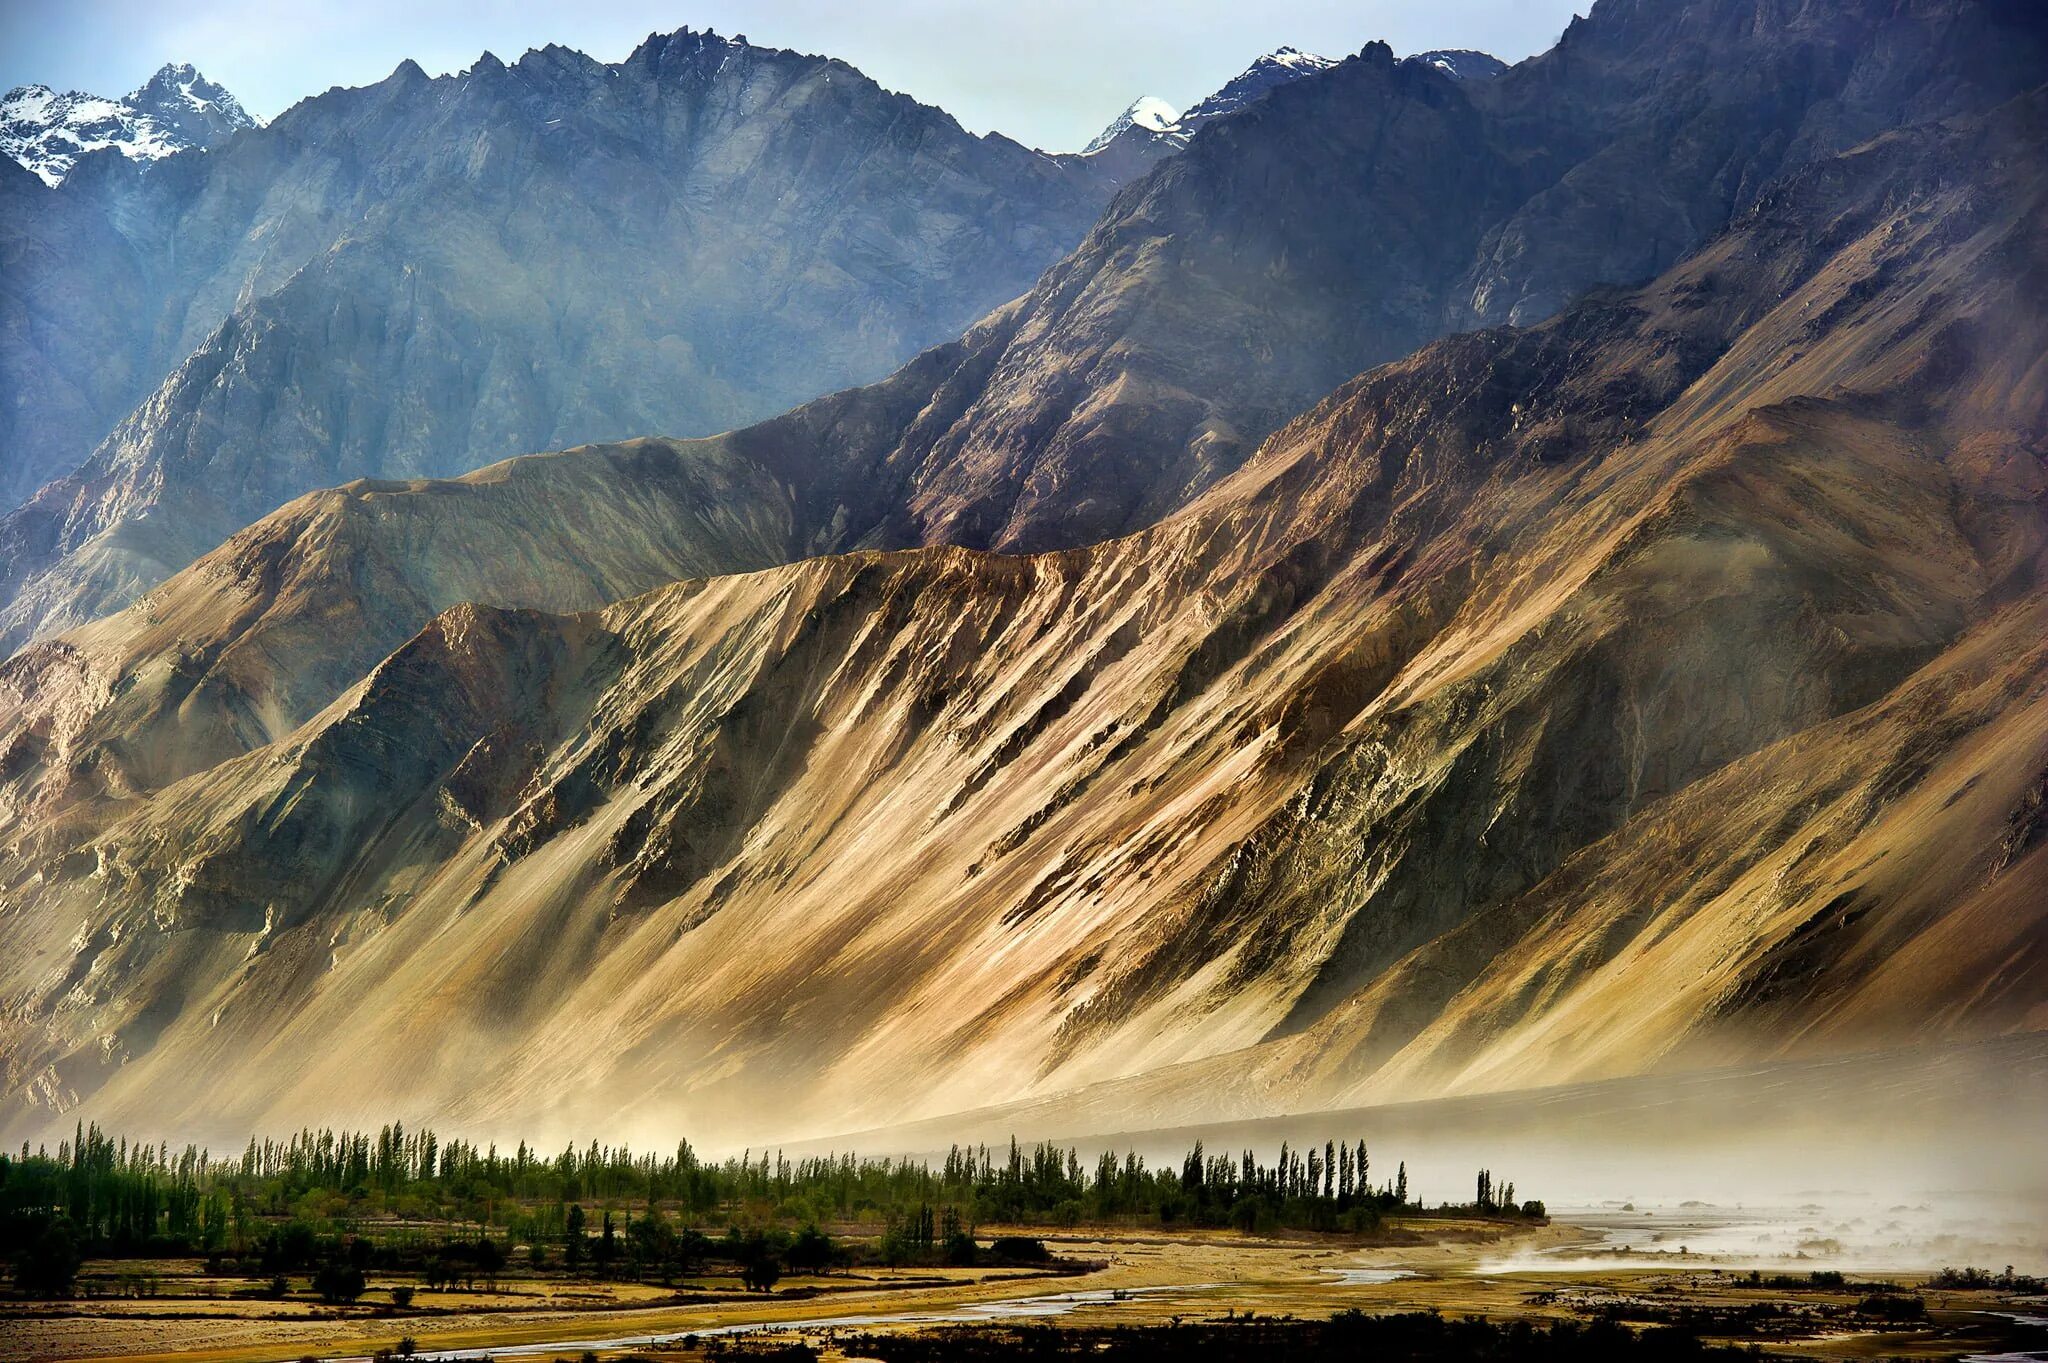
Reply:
x=67, y=280
x=1657, y=684
x=427, y=275
x=73, y=288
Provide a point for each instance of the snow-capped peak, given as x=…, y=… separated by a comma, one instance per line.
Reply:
x=1147, y=112
x=175, y=109
x=1296, y=58
x=1276, y=68
x=1156, y=119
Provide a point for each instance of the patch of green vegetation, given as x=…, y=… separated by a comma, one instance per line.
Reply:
x=1984, y=1280
x=339, y=1207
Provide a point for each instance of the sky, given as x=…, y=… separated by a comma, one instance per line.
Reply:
x=1050, y=73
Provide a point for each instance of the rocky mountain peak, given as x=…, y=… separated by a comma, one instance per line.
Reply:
x=687, y=45
x=1146, y=113
x=1462, y=63
x=177, y=108
x=199, y=110
x=1276, y=68
x=1153, y=122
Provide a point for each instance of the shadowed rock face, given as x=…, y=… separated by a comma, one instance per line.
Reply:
x=68, y=280
x=423, y=276
x=1351, y=215
x=1656, y=685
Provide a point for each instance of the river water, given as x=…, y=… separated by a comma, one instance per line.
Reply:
x=2025, y=1356
x=1037, y=1306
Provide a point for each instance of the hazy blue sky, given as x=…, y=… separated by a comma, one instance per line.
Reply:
x=1048, y=72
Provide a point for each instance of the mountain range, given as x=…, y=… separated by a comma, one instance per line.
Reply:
x=870, y=225
x=1454, y=583
x=428, y=274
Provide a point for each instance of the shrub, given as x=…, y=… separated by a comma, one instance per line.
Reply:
x=49, y=1265
x=339, y=1284
x=961, y=1251
x=1890, y=1307
x=1019, y=1249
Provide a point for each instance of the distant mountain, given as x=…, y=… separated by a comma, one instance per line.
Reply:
x=1151, y=129
x=72, y=292
x=1277, y=68
x=178, y=108
x=426, y=275
x=1147, y=114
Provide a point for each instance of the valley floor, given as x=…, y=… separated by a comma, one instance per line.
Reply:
x=1143, y=1278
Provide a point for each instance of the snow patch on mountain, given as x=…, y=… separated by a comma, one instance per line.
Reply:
x=1147, y=113
x=1275, y=69
x=175, y=109
x=1462, y=64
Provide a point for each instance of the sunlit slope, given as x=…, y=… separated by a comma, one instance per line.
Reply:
x=254, y=639
x=1657, y=685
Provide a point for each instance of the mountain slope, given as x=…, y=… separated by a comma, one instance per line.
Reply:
x=1661, y=682
x=426, y=275
x=260, y=635
x=175, y=109
x=1463, y=63
x=1352, y=215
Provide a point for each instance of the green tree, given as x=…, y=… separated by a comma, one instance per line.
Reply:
x=573, y=1240
x=489, y=1257
x=651, y=1243
x=812, y=1251
x=761, y=1274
